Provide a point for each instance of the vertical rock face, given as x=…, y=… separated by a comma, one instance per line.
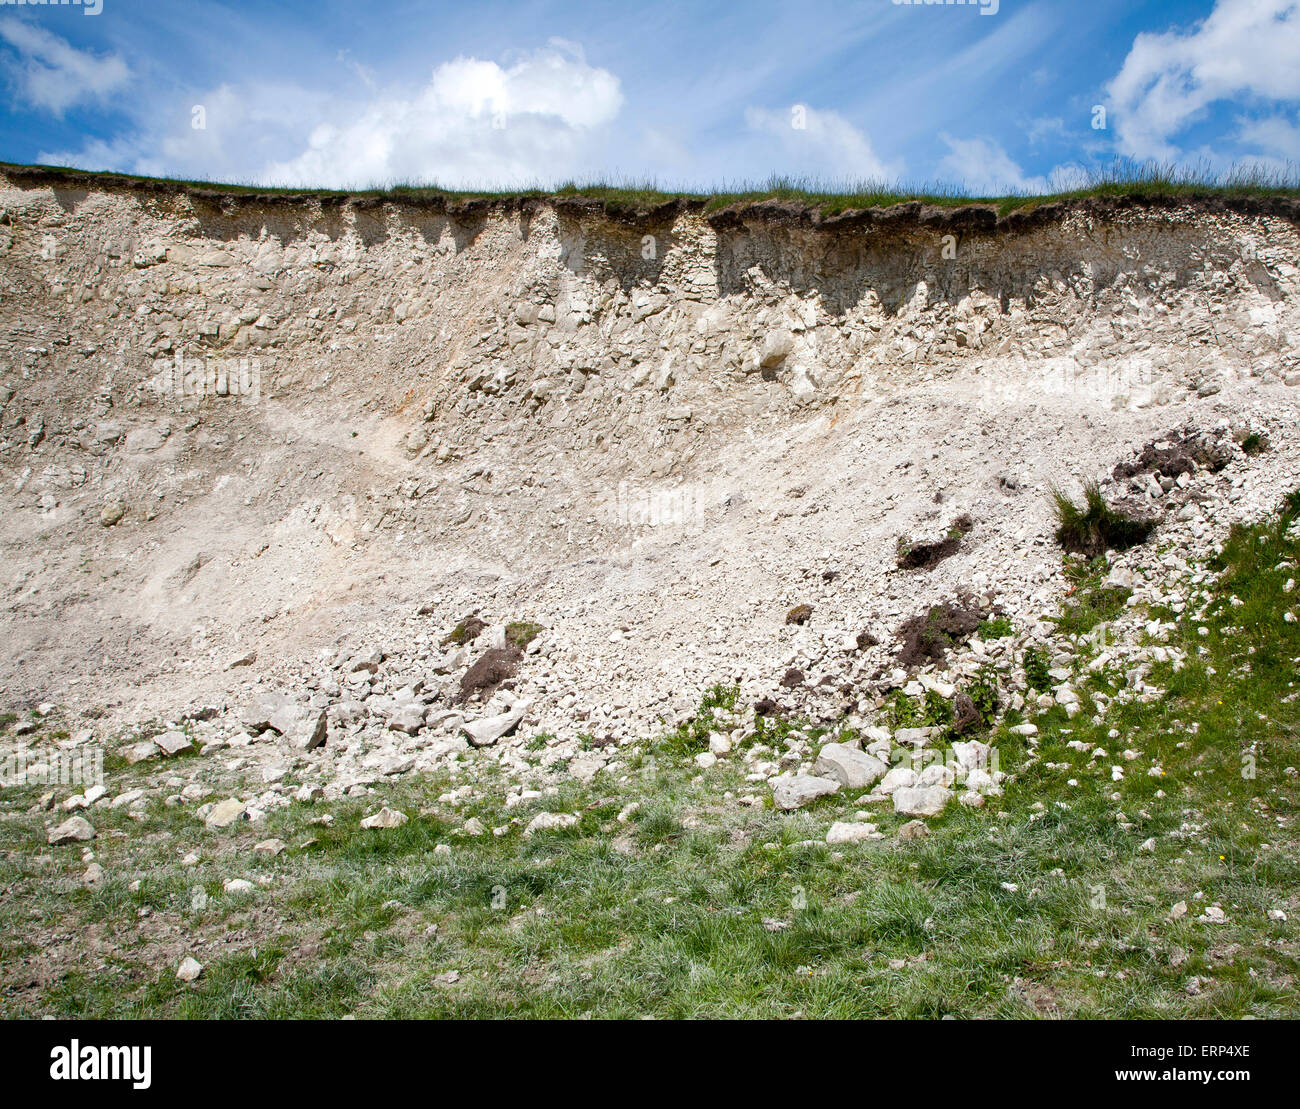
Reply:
x=278, y=422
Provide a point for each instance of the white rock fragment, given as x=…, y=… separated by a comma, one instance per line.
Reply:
x=841, y=832
x=385, y=818
x=921, y=800
x=900, y=777
x=548, y=821
x=485, y=732
x=224, y=813
x=76, y=829
x=173, y=743
x=793, y=791
x=850, y=767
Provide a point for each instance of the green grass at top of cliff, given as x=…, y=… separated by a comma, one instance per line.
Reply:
x=1143, y=181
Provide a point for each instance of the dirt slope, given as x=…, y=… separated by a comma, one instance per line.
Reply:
x=652, y=434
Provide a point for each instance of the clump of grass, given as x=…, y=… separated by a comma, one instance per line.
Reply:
x=1094, y=527
x=1254, y=443
x=1092, y=601
x=692, y=736
x=657, y=824
x=995, y=627
x=465, y=632
x=520, y=633
x=1093, y=608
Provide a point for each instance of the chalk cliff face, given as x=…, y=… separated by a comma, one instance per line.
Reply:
x=289, y=424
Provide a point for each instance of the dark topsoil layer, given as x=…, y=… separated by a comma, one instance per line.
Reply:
x=958, y=216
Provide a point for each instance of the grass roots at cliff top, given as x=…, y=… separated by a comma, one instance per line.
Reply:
x=1144, y=180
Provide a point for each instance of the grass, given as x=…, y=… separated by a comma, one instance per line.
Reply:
x=520, y=633
x=1091, y=601
x=466, y=631
x=691, y=737
x=1122, y=178
x=1094, y=527
x=995, y=627
x=1054, y=899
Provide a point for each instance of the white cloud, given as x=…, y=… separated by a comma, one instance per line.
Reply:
x=475, y=123
x=982, y=167
x=1046, y=129
x=1275, y=134
x=822, y=143
x=540, y=118
x=53, y=75
x=1244, y=48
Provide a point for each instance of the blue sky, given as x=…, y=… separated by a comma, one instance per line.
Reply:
x=995, y=96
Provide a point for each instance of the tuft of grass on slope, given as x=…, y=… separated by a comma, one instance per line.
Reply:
x=520, y=633
x=692, y=736
x=1094, y=527
x=1091, y=601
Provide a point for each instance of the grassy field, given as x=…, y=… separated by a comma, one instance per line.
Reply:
x=1057, y=899
x=1139, y=180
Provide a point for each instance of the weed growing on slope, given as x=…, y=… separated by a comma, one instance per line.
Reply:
x=1092, y=601
x=466, y=631
x=1037, y=669
x=1094, y=527
x=520, y=633
x=983, y=692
